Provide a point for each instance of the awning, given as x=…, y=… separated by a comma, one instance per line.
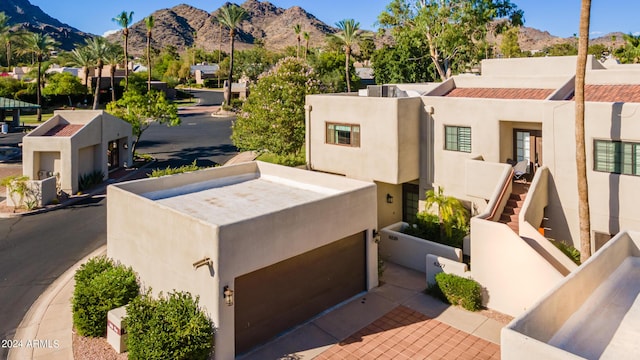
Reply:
x=10, y=104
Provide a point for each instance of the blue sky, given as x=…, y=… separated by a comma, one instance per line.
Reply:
x=559, y=17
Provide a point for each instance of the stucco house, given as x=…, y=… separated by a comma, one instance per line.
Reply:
x=75, y=143
x=265, y=247
x=465, y=133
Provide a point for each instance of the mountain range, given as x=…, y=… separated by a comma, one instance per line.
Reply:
x=184, y=26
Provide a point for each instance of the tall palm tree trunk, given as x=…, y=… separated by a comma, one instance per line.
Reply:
x=38, y=90
x=232, y=35
x=581, y=157
x=96, y=95
x=126, y=60
x=112, y=74
x=148, y=63
x=346, y=67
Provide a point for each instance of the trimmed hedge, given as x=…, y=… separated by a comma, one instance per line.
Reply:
x=457, y=290
x=171, y=327
x=101, y=285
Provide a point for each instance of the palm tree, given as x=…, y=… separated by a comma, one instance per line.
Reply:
x=125, y=20
x=349, y=35
x=149, y=22
x=297, y=29
x=451, y=212
x=98, y=47
x=113, y=59
x=38, y=46
x=231, y=16
x=306, y=37
x=6, y=35
x=581, y=155
x=81, y=57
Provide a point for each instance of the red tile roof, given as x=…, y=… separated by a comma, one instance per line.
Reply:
x=63, y=130
x=612, y=93
x=501, y=93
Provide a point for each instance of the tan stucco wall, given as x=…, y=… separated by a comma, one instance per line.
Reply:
x=534, y=67
x=389, y=137
x=162, y=243
x=99, y=128
x=484, y=116
x=526, y=337
x=389, y=213
x=511, y=272
x=613, y=198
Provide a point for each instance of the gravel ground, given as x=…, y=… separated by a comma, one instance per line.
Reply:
x=94, y=349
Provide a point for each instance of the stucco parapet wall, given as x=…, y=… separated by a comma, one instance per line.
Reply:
x=600, y=297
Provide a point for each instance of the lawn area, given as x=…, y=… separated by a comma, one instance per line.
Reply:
x=32, y=119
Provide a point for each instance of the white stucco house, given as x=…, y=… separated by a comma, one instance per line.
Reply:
x=265, y=247
x=465, y=133
x=75, y=143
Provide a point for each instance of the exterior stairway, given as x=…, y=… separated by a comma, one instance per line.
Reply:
x=514, y=204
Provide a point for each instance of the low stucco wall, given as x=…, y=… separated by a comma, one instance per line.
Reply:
x=411, y=251
x=526, y=336
x=437, y=264
x=40, y=192
x=513, y=274
x=486, y=180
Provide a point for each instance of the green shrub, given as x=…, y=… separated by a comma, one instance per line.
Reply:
x=177, y=170
x=457, y=290
x=88, y=180
x=291, y=160
x=427, y=227
x=100, y=286
x=569, y=250
x=171, y=327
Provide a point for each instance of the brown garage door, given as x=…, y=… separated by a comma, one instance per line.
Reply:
x=275, y=298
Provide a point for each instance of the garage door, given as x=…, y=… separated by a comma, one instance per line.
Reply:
x=275, y=298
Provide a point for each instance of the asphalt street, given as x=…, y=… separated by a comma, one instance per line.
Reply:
x=36, y=249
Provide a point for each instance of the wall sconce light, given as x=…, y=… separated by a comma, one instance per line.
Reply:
x=227, y=294
x=202, y=262
x=125, y=145
x=389, y=199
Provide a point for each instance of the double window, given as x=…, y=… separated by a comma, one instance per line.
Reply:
x=457, y=138
x=343, y=134
x=617, y=157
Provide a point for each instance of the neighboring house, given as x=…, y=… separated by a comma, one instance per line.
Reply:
x=238, y=90
x=21, y=72
x=265, y=247
x=464, y=133
x=55, y=68
x=74, y=143
x=201, y=72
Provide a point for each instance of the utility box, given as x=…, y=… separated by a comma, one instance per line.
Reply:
x=116, y=329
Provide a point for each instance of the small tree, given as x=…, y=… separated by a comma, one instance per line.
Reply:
x=272, y=118
x=451, y=212
x=140, y=110
x=64, y=84
x=509, y=46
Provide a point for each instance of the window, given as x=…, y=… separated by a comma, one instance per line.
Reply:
x=617, y=157
x=343, y=134
x=457, y=138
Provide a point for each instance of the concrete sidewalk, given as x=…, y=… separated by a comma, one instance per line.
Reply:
x=401, y=288
x=45, y=331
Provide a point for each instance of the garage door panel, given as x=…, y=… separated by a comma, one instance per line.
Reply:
x=273, y=299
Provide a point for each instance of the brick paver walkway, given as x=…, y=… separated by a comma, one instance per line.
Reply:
x=406, y=334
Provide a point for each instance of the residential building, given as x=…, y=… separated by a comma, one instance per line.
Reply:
x=465, y=133
x=76, y=143
x=264, y=247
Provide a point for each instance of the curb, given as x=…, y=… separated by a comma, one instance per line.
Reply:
x=30, y=325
